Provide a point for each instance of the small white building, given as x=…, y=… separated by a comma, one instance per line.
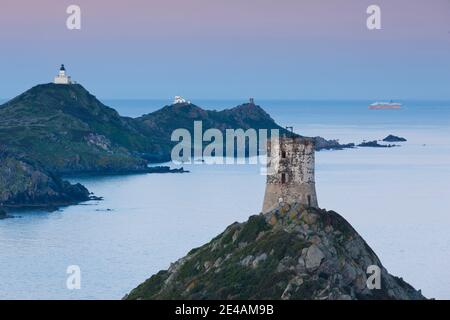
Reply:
x=179, y=99
x=62, y=77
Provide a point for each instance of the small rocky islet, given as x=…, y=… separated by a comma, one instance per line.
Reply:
x=290, y=253
x=375, y=144
x=392, y=138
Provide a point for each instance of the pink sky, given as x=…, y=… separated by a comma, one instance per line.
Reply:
x=253, y=40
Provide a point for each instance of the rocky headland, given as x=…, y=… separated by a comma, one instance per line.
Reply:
x=292, y=252
x=53, y=130
x=26, y=184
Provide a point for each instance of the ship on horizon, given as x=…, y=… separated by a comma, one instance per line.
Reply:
x=385, y=105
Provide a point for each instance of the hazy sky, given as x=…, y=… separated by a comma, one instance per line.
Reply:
x=310, y=49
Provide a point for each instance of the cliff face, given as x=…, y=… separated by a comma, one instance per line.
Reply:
x=23, y=183
x=292, y=252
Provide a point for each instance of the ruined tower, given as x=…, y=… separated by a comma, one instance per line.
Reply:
x=290, y=172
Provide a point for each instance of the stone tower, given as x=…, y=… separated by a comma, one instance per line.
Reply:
x=290, y=172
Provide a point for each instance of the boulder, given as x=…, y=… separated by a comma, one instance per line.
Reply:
x=313, y=258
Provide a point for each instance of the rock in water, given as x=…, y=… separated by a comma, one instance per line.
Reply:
x=392, y=138
x=375, y=144
x=3, y=214
x=293, y=252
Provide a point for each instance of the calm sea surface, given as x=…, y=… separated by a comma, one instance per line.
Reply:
x=398, y=199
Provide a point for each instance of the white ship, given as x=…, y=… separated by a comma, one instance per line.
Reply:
x=385, y=105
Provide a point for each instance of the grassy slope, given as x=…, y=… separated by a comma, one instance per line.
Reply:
x=50, y=123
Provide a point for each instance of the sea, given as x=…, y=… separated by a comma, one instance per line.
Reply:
x=397, y=198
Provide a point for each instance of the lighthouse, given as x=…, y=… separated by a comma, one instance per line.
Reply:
x=290, y=167
x=62, y=77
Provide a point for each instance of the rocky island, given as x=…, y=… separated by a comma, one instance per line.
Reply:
x=392, y=138
x=55, y=130
x=375, y=144
x=293, y=252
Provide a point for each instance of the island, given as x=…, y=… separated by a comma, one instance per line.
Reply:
x=392, y=138
x=57, y=130
x=375, y=144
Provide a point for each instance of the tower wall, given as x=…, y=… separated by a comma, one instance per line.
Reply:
x=290, y=172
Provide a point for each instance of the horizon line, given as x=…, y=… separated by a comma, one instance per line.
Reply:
x=192, y=100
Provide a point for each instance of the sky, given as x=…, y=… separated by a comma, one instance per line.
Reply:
x=229, y=49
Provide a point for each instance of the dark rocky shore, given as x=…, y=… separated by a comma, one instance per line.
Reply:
x=293, y=252
x=26, y=184
x=3, y=214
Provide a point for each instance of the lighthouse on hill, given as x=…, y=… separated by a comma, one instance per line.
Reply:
x=62, y=77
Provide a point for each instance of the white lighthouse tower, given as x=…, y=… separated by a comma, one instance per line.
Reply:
x=62, y=77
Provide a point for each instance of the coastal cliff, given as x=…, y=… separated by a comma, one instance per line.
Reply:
x=23, y=183
x=292, y=252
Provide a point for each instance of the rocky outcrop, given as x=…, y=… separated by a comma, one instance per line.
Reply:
x=375, y=144
x=166, y=169
x=292, y=252
x=392, y=138
x=323, y=144
x=3, y=214
x=23, y=183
